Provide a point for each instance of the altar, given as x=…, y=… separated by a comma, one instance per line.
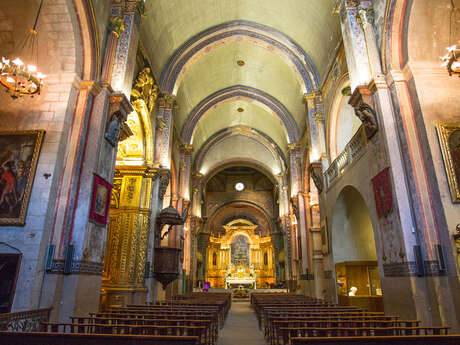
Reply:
x=233, y=282
x=237, y=276
x=240, y=257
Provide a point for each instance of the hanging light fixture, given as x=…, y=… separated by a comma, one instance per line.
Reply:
x=20, y=77
x=452, y=59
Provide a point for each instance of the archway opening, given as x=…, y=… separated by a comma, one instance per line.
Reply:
x=240, y=242
x=354, y=253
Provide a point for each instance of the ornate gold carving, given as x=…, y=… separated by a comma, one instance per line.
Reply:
x=116, y=25
x=145, y=89
x=125, y=257
x=116, y=191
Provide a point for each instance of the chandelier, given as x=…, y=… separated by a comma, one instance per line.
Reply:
x=452, y=59
x=20, y=77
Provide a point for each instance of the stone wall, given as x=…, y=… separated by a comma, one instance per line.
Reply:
x=51, y=111
x=435, y=97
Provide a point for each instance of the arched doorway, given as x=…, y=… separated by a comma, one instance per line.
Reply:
x=354, y=252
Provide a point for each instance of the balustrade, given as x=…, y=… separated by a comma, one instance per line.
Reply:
x=24, y=321
x=353, y=151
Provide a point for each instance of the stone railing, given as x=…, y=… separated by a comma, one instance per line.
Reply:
x=24, y=321
x=352, y=152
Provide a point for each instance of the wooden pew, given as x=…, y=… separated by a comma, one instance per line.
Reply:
x=390, y=340
x=40, y=338
x=286, y=334
x=153, y=330
x=164, y=320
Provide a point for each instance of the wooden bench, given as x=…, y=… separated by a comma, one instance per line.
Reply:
x=286, y=334
x=391, y=340
x=153, y=330
x=40, y=338
x=162, y=320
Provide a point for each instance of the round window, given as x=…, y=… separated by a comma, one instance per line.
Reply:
x=239, y=186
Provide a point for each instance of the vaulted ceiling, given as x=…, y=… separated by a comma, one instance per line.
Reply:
x=243, y=64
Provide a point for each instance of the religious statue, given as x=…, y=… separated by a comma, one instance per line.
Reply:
x=113, y=130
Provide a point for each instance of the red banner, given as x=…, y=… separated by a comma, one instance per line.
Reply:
x=382, y=192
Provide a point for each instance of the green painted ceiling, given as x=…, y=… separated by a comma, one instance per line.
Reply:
x=263, y=70
x=310, y=23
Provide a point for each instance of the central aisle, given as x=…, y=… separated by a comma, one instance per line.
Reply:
x=241, y=327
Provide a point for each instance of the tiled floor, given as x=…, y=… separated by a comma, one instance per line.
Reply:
x=241, y=327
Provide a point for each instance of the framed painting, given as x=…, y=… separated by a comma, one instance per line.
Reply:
x=449, y=138
x=19, y=153
x=100, y=201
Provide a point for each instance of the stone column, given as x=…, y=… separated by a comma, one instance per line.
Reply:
x=318, y=266
x=354, y=43
x=91, y=149
x=125, y=58
x=163, y=134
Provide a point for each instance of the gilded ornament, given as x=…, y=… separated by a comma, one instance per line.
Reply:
x=116, y=25
x=144, y=88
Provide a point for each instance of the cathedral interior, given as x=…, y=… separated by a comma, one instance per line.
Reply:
x=152, y=149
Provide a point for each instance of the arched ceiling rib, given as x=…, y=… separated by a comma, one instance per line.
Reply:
x=286, y=46
x=253, y=117
x=262, y=70
x=239, y=148
x=260, y=138
x=309, y=23
x=239, y=31
x=211, y=106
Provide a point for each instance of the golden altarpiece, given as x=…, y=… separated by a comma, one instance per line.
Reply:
x=130, y=208
x=240, y=255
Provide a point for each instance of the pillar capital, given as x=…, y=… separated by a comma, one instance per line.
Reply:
x=167, y=101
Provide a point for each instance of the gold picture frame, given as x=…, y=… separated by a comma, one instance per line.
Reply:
x=19, y=151
x=449, y=138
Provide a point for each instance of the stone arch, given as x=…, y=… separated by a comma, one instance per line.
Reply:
x=203, y=42
x=354, y=249
x=354, y=203
x=342, y=123
x=264, y=99
x=236, y=130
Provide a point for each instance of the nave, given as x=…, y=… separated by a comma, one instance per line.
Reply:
x=164, y=163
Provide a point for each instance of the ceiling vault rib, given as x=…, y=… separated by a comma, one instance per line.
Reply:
x=175, y=66
x=238, y=130
x=235, y=91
